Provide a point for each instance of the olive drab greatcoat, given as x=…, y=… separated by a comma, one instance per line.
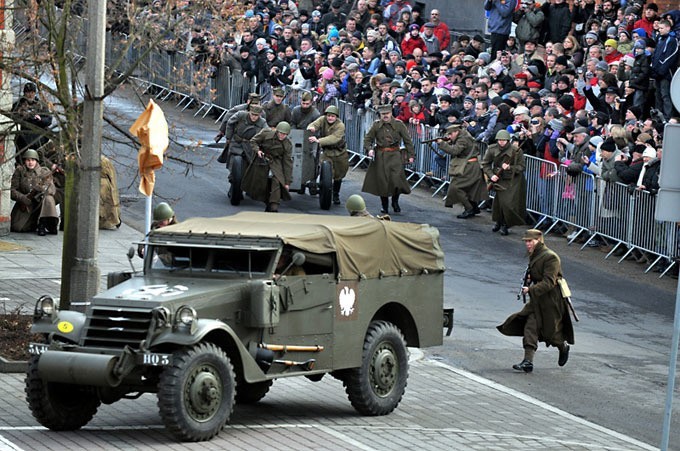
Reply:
x=333, y=144
x=553, y=322
x=27, y=212
x=278, y=160
x=109, y=201
x=509, y=205
x=385, y=176
x=240, y=129
x=277, y=113
x=467, y=180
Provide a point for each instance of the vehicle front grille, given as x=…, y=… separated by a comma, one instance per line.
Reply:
x=111, y=327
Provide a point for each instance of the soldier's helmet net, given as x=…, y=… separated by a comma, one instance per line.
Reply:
x=162, y=211
x=332, y=109
x=283, y=127
x=31, y=153
x=30, y=87
x=355, y=203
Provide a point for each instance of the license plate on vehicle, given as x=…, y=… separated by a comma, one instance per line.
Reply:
x=37, y=348
x=155, y=359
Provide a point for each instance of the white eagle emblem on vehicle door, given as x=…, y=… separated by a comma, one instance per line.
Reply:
x=347, y=298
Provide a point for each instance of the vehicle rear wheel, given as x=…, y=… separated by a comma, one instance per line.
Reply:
x=57, y=406
x=196, y=393
x=236, y=176
x=251, y=393
x=377, y=386
x=325, y=185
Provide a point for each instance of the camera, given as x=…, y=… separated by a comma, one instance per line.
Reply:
x=514, y=128
x=579, y=70
x=535, y=121
x=620, y=99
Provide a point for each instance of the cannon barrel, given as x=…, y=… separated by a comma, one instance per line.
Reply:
x=79, y=369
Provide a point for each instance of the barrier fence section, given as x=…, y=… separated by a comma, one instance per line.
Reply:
x=586, y=203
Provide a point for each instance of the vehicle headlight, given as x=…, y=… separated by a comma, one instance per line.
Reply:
x=186, y=315
x=45, y=307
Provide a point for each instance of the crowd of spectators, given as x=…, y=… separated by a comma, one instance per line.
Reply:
x=577, y=84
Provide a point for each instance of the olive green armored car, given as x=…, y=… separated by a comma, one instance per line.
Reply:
x=225, y=306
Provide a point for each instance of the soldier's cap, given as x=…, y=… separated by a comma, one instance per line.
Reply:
x=279, y=91
x=253, y=96
x=306, y=95
x=532, y=234
x=254, y=108
x=453, y=128
x=385, y=109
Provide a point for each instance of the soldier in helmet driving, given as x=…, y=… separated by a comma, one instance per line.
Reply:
x=163, y=216
x=329, y=132
x=270, y=174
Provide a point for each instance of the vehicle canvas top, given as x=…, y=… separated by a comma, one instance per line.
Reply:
x=365, y=247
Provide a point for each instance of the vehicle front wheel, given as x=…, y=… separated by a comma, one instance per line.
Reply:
x=377, y=386
x=236, y=176
x=57, y=406
x=196, y=393
x=325, y=185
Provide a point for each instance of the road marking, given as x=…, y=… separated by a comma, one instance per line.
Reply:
x=6, y=445
x=541, y=404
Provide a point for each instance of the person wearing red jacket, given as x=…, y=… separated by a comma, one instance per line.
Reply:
x=412, y=41
x=441, y=30
x=648, y=19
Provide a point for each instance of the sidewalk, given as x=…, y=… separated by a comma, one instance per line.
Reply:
x=31, y=264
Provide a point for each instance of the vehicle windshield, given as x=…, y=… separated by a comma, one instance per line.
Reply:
x=206, y=260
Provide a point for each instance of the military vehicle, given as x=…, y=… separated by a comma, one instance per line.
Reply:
x=225, y=306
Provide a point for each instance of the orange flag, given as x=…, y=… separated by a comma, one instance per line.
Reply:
x=152, y=130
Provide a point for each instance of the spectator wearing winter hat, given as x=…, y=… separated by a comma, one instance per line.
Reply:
x=477, y=45
x=650, y=15
x=412, y=41
x=638, y=33
x=625, y=44
x=640, y=72
x=611, y=52
x=664, y=62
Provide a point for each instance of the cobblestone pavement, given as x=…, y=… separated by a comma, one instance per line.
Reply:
x=444, y=408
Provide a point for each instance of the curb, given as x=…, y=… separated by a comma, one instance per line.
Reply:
x=12, y=366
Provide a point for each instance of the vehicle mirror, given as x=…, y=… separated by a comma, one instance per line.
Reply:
x=299, y=259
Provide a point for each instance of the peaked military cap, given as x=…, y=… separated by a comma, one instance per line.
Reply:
x=532, y=234
x=385, y=109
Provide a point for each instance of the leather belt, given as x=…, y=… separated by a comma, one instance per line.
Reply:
x=388, y=149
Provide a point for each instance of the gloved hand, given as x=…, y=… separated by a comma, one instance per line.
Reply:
x=555, y=134
x=547, y=131
x=25, y=200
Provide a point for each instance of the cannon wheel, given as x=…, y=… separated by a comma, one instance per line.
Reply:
x=235, y=192
x=59, y=407
x=325, y=185
x=196, y=393
x=377, y=386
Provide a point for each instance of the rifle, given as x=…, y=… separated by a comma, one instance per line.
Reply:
x=498, y=173
x=34, y=195
x=526, y=281
x=428, y=141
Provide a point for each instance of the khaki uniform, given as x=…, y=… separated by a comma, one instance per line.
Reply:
x=467, y=184
x=33, y=190
x=277, y=162
x=277, y=113
x=545, y=318
x=385, y=176
x=509, y=205
x=240, y=129
x=109, y=201
x=333, y=145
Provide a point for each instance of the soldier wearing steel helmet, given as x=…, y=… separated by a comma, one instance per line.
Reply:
x=356, y=206
x=270, y=174
x=163, y=216
x=329, y=132
x=503, y=164
x=33, y=190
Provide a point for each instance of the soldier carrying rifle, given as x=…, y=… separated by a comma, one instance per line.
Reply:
x=546, y=316
x=33, y=191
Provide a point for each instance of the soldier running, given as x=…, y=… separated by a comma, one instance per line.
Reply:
x=331, y=138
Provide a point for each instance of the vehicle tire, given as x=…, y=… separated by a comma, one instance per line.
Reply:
x=325, y=185
x=236, y=176
x=57, y=406
x=196, y=393
x=251, y=393
x=377, y=386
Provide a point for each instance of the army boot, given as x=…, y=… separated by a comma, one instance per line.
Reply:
x=336, y=191
x=395, y=203
x=564, y=354
x=383, y=203
x=224, y=156
x=42, y=227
